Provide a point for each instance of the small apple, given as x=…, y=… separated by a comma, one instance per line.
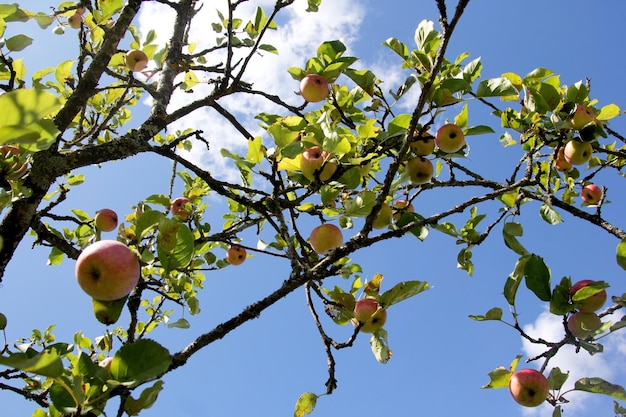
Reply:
x=589, y=304
x=236, y=255
x=420, y=170
x=316, y=163
x=583, y=115
x=383, y=218
x=181, y=207
x=591, y=194
x=529, y=387
x=423, y=145
x=105, y=220
x=577, y=153
x=583, y=324
x=561, y=163
x=326, y=237
x=75, y=20
x=81, y=10
x=136, y=60
x=314, y=88
x=108, y=312
x=450, y=138
x=106, y=363
x=107, y=270
x=400, y=207
x=368, y=312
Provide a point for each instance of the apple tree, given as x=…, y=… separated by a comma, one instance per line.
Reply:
x=338, y=158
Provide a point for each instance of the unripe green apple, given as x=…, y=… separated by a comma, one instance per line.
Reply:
x=316, y=162
x=423, y=145
x=420, y=170
x=105, y=220
x=450, y=138
x=383, y=218
x=400, y=207
x=591, y=194
x=236, y=255
x=583, y=324
x=589, y=304
x=368, y=312
x=583, y=115
x=181, y=207
x=577, y=153
x=108, y=312
x=75, y=20
x=529, y=387
x=136, y=60
x=107, y=270
x=326, y=237
x=314, y=88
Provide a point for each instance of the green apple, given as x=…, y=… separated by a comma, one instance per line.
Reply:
x=450, y=138
x=75, y=20
x=314, y=88
x=400, y=207
x=236, y=255
x=561, y=163
x=370, y=314
x=107, y=270
x=420, y=170
x=326, y=237
x=589, y=304
x=423, y=145
x=316, y=163
x=591, y=194
x=583, y=115
x=583, y=324
x=529, y=387
x=181, y=207
x=577, y=153
x=136, y=60
x=108, y=312
x=105, y=220
x=383, y=218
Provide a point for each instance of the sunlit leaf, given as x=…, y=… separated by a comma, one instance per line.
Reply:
x=138, y=361
x=146, y=399
x=401, y=291
x=305, y=404
x=499, y=378
x=493, y=314
x=621, y=254
x=601, y=386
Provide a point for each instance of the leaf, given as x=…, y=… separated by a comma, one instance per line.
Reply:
x=18, y=42
x=401, y=291
x=255, y=150
x=139, y=361
x=493, y=314
x=305, y=404
x=496, y=87
x=538, y=277
x=23, y=110
x=621, y=254
x=45, y=363
x=175, y=244
x=600, y=386
x=380, y=346
x=514, y=280
x=269, y=48
x=146, y=399
x=556, y=379
x=499, y=378
x=608, y=112
x=180, y=323
x=509, y=233
x=421, y=231
x=560, y=300
x=549, y=214
x=363, y=78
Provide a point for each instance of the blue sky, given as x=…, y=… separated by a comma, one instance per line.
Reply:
x=440, y=357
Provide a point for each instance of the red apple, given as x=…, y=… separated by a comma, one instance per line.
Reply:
x=577, y=153
x=529, y=387
x=589, y=304
x=105, y=220
x=591, y=194
x=181, y=207
x=316, y=163
x=75, y=20
x=325, y=238
x=420, y=170
x=423, y=145
x=107, y=270
x=583, y=115
x=236, y=255
x=400, y=207
x=136, y=60
x=81, y=10
x=368, y=312
x=314, y=88
x=583, y=324
x=561, y=163
x=383, y=218
x=450, y=138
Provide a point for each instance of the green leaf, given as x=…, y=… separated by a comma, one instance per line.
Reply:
x=556, y=379
x=380, y=346
x=255, y=150
x=514, y=280
x=538, y=277
x=621, y=254
x=147, y=220
x=175, y=244
x=608, y=112
x=146, y=399
x=139, y=361
x=305, y=404
x=180, y=323
x=401, y=291
x=18, y=42
x=499, y=378
x=421, y=232
x=23, y=110
x=496, y=87
x=478, y=130
x=600, y=386
x=560, y=300
x=509, y=233
x=269, y=48
x=493, y=314
x=363, y=78
x=549, y=214
x=46, y=363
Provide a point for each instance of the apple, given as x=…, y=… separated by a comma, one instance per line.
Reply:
x=81, y=10
x=583, y=115
x=326, y=237
x=11, y=166
x=107, y=270
x=75, y=20
x=450, y=138
x=105, y=220
x=383, y=218
x=423, y=145
x=108, y=312
x=420, y=170
x=368, y=312
x=181, y=207
x=589, y=304
x=583, y=324
x=236, y=255
x=529, y=387
x=106, y=363
x=400, y=207
x=577, y=153
x=592, y=194
x=314, y=88
x=136, y=60
x=561, y=163
x=316, y=162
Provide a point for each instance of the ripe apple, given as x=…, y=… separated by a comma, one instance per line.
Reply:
x=75, y=20
x=236, y=255
x=383, y=218
x=314, y=88
x=583, y=115
x=369, y=312
x=400, y=207
x=423, y=145
x=316, y=162
x=326, y=237
x=107, y=270
x=105, y=220
x=577, y=153
x=11, y=166
x=592, y=194
x=529, y=387
x=589, y=304
x=136, y=60
x=583, y=324
x=450, y=138
x=181, y=207
x=81, y=10
x=561, y=163
x=420, y=170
